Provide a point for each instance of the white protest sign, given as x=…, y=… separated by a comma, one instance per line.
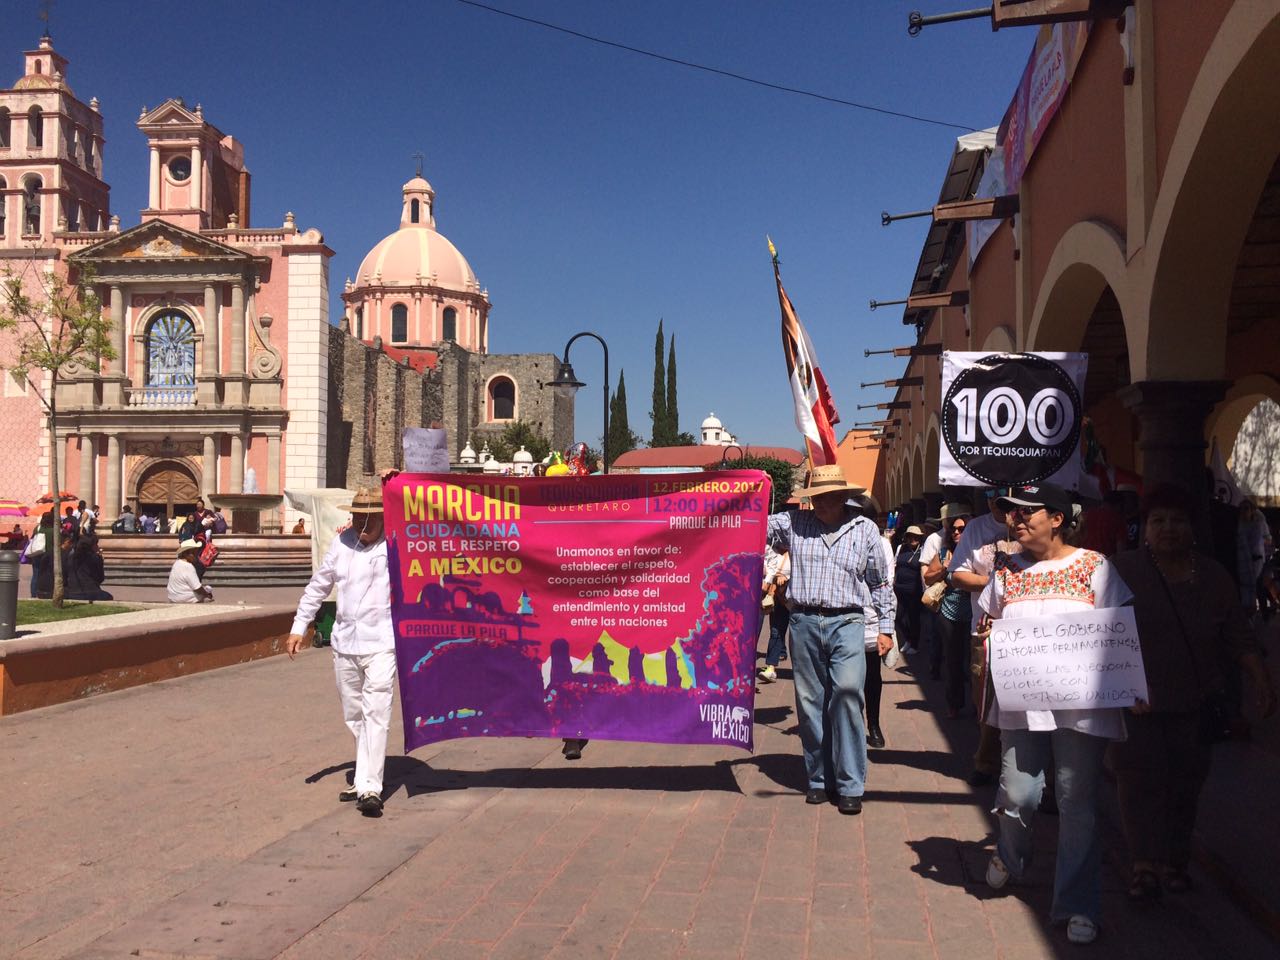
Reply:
x=1068, y=661
x=426, y=450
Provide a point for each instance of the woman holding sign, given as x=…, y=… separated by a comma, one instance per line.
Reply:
x=1189, y=615
x=1047, y=578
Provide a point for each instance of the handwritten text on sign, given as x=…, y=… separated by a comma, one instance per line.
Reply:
x=1068, y=661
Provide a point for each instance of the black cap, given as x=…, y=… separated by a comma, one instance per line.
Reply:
x=1046, y=495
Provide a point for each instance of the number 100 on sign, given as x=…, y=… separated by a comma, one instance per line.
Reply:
x=1009, y=418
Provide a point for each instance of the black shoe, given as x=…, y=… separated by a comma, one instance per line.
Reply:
x=370, y=804
x=572, y=749
x=875, y=738
x=347, y=794
x=980, y=778
x=817, y=795
x=851, y=806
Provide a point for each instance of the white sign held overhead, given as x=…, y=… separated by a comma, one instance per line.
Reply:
x=426, y=450
x=1068, y=661
x=1011, y=418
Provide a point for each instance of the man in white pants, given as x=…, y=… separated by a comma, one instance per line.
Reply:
x=364, y=648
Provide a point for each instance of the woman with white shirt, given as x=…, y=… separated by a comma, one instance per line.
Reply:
x=1052, y=577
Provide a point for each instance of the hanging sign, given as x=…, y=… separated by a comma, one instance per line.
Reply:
x=1011, y=418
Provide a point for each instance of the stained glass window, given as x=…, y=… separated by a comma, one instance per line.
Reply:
x=171, y=351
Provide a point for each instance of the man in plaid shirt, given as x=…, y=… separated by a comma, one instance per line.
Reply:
x=838, y=579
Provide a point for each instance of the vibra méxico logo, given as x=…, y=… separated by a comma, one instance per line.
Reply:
x=727, y=723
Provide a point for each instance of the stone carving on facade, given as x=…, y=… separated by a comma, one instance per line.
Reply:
x=166, y=447
x=267, y=361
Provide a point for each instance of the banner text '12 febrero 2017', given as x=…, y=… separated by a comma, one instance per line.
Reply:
x=620, y=607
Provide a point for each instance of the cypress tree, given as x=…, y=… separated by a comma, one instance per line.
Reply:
x=673, y=407
x=659, y=412
x=621, y=439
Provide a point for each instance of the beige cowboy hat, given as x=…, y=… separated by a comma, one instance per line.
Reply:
x=365, y=501
x=956, y=509
x=829, y=478
x=186, y=546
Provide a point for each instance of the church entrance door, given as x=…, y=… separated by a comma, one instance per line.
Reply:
x=167, y=489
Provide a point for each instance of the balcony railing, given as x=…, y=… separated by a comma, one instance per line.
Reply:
x=162, y=397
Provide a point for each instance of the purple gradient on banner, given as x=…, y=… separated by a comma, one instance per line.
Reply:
x=622, y=607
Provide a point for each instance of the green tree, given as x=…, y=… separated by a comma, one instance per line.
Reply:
x=56, y=325
x=658, y=414
x=781, y=474
x=621, y=437
x=673, y=406
x=516, y=435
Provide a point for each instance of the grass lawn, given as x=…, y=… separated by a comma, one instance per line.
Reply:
x=43, y=611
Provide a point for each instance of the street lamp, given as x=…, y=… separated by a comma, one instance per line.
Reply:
x=566, y=383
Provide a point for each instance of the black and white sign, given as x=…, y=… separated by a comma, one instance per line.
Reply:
x=1011, y=418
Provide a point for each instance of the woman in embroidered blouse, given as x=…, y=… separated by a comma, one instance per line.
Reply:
x=1050, y=577
x=1189, y=620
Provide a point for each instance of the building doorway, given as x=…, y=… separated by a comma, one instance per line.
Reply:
x=166, y=490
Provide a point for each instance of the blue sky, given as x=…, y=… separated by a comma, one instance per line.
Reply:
x=590, y=188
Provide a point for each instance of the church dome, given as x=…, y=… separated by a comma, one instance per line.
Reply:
x=712, y=423
x=417, y=254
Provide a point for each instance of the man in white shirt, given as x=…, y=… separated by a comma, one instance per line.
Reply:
x=931, y=620
x=364, y=647
x=184, y=579
x=970, y=569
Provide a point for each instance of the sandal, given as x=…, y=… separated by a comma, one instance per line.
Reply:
x=1144, y=887
x=1177, y=880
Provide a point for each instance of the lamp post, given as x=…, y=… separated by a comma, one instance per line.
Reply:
x=566, y=383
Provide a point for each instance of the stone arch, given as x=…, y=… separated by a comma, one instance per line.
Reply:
x=1225, y=146
x=502, y=398
x=142, y=324
x=1244, y=394
x=931, y=438
x=999, y=340
x=1088, y=259
x=917, y=470
x=183, y=469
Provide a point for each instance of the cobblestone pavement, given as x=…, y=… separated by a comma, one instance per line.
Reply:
x=198, y=818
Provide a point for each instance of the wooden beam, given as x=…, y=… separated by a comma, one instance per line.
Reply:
x=1026, y=13
x=979, y=208
x=944, y=298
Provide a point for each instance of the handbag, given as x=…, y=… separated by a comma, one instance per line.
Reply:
x=931, y=599
x=208, y=555
x=37, y=546
x=1215, y=717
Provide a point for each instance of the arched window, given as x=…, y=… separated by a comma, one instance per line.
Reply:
x=399, y=323
x=4, y=128
x=359, y=323
x=415, y=212
x=31, y=205
x=73, y=216
x=502, y=399
x=35, y=127
x=450, y=331
x=171, y=350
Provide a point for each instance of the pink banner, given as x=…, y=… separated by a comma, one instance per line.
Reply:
x=621, y=607
x=1040, y=93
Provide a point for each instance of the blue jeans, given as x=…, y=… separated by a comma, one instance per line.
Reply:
x=1077, y=760
x=829, y=667
x=778, y=618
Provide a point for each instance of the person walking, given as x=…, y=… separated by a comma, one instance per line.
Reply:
x=874, y=687
x=777, y=570
x=363, y=641
x=907, y=586
x=1189, y=619
x=1052, y=577
x=955, y=609
x=838, y=580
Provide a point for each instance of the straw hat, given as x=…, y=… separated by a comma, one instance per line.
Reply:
x=914, y=531
x=188, y=545
x=365, y=501
x=829, y=478
x=955, y=509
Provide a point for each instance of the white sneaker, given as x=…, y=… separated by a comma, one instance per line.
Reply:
x=997, y=873
x=1080, y=929
x=768, y=674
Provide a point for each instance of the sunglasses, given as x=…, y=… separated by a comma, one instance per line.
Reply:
x=1024, y=512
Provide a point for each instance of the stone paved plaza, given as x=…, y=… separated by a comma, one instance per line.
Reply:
x=198, y=818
